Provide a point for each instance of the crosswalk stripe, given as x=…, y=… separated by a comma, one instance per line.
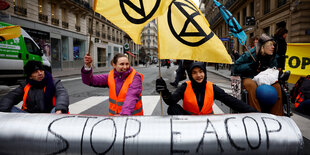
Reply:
x=217, y=110
x=85, y=104
x=149, y=104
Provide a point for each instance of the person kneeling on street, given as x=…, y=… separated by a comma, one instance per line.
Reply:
x=40, y=93
x=198, y=94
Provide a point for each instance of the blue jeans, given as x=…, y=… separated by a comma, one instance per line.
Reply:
x=17, y=110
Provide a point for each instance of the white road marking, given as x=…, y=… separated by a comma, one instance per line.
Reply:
x=85, y=104
x=66, y=80
x=217, y=110
x=149, y=104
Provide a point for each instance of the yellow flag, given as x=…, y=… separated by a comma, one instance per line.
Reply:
x=297, y=60
x=131, y=15
x=184, y=33
x=9, y=32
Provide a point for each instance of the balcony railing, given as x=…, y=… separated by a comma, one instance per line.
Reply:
x=55, y=21
x=20, y=11
x=43, y=18
x=78, y=28
x=65, y=24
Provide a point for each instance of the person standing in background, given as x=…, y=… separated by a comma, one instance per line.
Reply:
x=281, y=47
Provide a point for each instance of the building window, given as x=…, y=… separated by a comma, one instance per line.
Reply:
x=55, y=21
x=90, y=29
x=252, y=9
x=267, y=30
x=266, y=6
x=40, y=6
x=238, y=17
x=42, y=17
x=65, y=24
x=281, y=2
x=77, y=23
x=19, y=7
x=244, y=15
x=53, y=10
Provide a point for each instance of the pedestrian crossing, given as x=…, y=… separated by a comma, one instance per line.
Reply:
x=149, y=104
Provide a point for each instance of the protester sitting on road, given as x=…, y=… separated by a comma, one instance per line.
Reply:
x=198, y=94
x=40, y=93
x=124, y=82
x=247, y=68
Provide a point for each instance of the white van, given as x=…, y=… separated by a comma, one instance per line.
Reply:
x=15, y=53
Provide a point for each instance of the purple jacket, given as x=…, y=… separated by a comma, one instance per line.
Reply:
x=133, y=92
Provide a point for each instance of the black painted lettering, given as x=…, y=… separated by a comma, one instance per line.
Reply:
x=82, y=138
x=290, y=62
x=61, y=141
x=270, y=131
x=246, y=132
x=211, y=131
x=172, y=143
x=126, y=137
x=113, y=132
x=305, y=62
x=229, y=135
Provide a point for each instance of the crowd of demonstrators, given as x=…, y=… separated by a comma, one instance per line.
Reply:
x=265, y=57
x=197, y=94
x=281, y=46
x=40, y=93
x=124, y=82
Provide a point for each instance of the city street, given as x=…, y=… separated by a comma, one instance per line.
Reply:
x=94, y=101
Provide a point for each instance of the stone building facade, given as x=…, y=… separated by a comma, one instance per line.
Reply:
x=150, y=42
x=268, y=15
x=62, y=28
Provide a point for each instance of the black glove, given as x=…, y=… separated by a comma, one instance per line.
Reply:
x=161, y=85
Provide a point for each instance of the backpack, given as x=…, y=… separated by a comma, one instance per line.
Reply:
x=301, y=91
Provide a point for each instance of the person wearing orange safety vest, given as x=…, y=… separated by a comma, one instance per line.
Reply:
x=124, y=82
x=40, y=93
x=198, y=94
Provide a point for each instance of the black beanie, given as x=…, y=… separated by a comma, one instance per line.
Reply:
x=196, y=64
x=32, y=66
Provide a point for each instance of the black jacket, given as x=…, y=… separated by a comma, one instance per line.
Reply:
x=219, y=94
x=280, y=49
x=35, y=98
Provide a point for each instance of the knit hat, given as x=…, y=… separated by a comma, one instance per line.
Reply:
x=262, y=40
x=32, y=66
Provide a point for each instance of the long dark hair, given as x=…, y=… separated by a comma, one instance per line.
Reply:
x=281, y=31
x=116, y=57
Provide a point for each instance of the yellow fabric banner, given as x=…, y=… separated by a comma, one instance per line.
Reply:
x=131, y=15
x=297, y=60
x=184, y=33
x=9, y=32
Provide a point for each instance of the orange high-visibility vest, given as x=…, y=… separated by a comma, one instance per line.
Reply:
x=190, y=103
x=116, y=102
x=26, y=90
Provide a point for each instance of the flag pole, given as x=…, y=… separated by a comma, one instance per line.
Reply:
x=90, y=35
x=248, y=50
x=159, y=72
